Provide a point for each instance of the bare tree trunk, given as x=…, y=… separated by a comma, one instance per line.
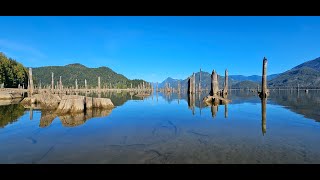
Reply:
x=199, y=81
x=194, y=83
x=52, y=81
x=60, y=82
x=225, y=90
x=99, y=83
x=30, y=82
x=264, y=79
x=214, y=83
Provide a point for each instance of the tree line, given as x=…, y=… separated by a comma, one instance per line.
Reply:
x=12, y=73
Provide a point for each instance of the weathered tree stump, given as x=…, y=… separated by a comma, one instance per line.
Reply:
x=225, y=89
x=214, y=84
x=264, y=91
x=52, y=81
x=30, y=87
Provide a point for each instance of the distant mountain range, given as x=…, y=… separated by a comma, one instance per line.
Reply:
x=205, y=81
x=235, y=81
x=254, y=78
x=71, y=72
x=306, y=75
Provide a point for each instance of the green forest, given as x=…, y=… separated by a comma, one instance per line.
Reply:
x=71, y=72
x=12, y=73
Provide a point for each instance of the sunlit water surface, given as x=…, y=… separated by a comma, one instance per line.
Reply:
x=169, y=129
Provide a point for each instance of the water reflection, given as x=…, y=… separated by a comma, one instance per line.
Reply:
x=306, y=104
x=191, y=102
x=72, y=119
x=10, y=113
x=166, y=132
x=299, y=102
x=264, y=115
x=11, y=110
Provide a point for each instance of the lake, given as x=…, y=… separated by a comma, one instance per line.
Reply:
x=169, y=128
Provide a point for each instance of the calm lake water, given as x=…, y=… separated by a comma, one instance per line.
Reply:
x=169, y=129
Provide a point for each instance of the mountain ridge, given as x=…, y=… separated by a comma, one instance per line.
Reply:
x=70, y=72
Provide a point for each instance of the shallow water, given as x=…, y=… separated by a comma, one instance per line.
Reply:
x=169, y=129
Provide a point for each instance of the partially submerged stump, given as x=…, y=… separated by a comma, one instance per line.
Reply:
x=214, y=84
x=225, y=89
x=71, y=104
x=216, y=99
x=77, y=104
x=5, y=95
x=9, y=95
x=103, y=103
x=4, y=102
x=264, y=91
x=192, y=84
x=45, y=100
x=216, y=96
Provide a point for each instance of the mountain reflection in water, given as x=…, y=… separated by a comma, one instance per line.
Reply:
x=168, y=128
x=299, y=102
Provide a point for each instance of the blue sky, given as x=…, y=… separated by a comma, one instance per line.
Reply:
x=154, y=48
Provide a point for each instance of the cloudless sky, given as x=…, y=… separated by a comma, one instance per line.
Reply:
x=154, y=48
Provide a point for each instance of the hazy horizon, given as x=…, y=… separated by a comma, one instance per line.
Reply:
x=154, y=48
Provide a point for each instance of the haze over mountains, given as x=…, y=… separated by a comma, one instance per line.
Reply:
x=306, y=75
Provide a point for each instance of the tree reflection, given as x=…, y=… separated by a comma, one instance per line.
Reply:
x=10, y=113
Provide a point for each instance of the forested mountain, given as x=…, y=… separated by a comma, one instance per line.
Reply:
x=313, y=64
x=12, y=72
x=71, y=72
x=254, y=78
x=306, y=75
